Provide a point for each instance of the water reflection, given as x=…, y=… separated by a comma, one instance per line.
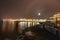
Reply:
x=9, y=26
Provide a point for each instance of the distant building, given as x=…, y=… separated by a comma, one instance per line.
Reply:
x=55, y=18
x=57, y=15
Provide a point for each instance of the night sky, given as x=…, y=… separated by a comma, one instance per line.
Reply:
x=28, y=8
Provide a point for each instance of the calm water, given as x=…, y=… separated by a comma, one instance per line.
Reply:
x=11, y=25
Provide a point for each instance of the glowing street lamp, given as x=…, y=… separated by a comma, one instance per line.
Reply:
x=39, y=14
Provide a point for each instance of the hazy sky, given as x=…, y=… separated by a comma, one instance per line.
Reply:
x=28, y=8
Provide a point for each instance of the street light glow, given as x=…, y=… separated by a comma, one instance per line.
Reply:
x=39, y=14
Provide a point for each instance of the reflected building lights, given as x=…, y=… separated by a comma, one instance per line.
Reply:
x=9, y=24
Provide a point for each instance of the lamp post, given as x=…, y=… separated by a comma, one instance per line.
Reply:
x=57, y=33
x=39, y=16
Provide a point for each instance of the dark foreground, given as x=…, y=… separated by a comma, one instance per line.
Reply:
x=33, y=33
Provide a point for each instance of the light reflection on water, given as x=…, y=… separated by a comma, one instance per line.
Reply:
x=10, y=25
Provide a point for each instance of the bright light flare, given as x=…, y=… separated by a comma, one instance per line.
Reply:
x=39, y=14
x=42, y=20
x=37, y=23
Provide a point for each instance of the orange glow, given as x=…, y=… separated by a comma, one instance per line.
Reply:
x=20, y=27
x=57, y=15
x=28, y=24
x=29, y=19
x=9, y=24
x=4, y=26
